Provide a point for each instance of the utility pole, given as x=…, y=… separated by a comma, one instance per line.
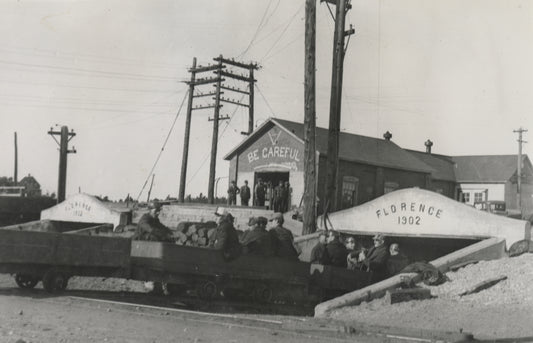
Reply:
x=519, y=169
x=342, y=6
x=15, y=174
x=65, y=137
x=220, y=76
x=309, y=197
x=185, y=157
x=214, y=141
x=150, y=190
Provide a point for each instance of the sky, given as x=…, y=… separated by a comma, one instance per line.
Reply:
x=456, y=72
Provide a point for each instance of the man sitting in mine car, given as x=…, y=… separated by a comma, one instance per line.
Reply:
x=149, y=228
x=257, y=241
x=225, y=237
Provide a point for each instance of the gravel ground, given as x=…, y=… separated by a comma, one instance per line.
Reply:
x=503, y=311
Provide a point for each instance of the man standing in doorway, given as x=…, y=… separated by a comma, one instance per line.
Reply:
x=260, y=192
x=245, y=194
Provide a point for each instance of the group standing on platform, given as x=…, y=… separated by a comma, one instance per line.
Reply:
x=279, y=196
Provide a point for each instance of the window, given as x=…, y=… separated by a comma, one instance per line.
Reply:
x=390, y=186
x=350, y=185
x=466, y=198
x=478, y=197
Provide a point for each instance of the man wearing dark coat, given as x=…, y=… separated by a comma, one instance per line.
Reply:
x=149, y=228
x=233, y=190
x=375, y=260
x=245, y=194
x=397, y=260
x=319, y=253
x=260, y=192
x=337, y=252
x=277, y=197
x=282, y=238
x=257, y=241
x=226, y=238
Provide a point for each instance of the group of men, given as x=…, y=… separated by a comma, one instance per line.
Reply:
x=378, y=259
x=279, y=196
x=277, y=241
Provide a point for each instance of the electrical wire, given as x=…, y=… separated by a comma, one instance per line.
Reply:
x=164, y=144
x=266, y=101
x=284, y=30
x=77, y=71
x=256, y=31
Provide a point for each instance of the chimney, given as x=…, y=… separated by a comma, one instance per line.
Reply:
x=387, y=135
x=428, y=145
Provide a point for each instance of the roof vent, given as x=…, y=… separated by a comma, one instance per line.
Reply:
x=387, y=135
x=428, y=145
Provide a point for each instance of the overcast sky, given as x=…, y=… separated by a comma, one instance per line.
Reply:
x=457, y=72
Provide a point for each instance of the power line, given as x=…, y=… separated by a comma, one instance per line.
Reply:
x=256, y=31
x=263, y=96
x=164, y=144
x=91, y=71
x=65, y=55
x=284, y=30
x=87, y=87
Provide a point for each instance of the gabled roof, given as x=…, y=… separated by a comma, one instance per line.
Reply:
x=352, y=147
x=486, y=168
x=443, y=166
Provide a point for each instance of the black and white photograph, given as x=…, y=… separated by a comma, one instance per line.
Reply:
x=266, y=171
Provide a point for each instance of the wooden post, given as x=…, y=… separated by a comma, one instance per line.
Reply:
x=184, y=160
x=335, y=108
x=15, y=174
x=309, y=197
x=251, y=102
x=214, y=142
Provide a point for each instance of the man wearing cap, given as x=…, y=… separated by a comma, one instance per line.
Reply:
x=337, y=252
x=260, y=192
x=226, y=238
x=319, y=253
x=257, y=241
x=245, y=194
x=149, y=228
x=375, y=260
x=282, y=238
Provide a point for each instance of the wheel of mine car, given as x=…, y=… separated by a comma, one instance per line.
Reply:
x=263, y=294
x=54, y=281
x=173, y=289
x=26, y=281
x=206, y=290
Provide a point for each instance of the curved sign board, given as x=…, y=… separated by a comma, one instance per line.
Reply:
x=417, y=212
x=82, y=208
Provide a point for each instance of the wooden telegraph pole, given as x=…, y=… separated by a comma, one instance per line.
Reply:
x=63, y=151
x=519, y=168
x=15, y=174
x=214, y=141
x=342, y=6
x=309, y=197
x=220, y=75
x=185, y=155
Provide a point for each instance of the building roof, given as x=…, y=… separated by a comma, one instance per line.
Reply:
x=352, y=147
x=443, y=166
x=486, y=168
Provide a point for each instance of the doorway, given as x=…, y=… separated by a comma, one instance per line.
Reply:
x=271, y=180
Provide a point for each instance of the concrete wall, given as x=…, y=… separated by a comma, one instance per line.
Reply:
x=416, y=212
x=172, y=215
